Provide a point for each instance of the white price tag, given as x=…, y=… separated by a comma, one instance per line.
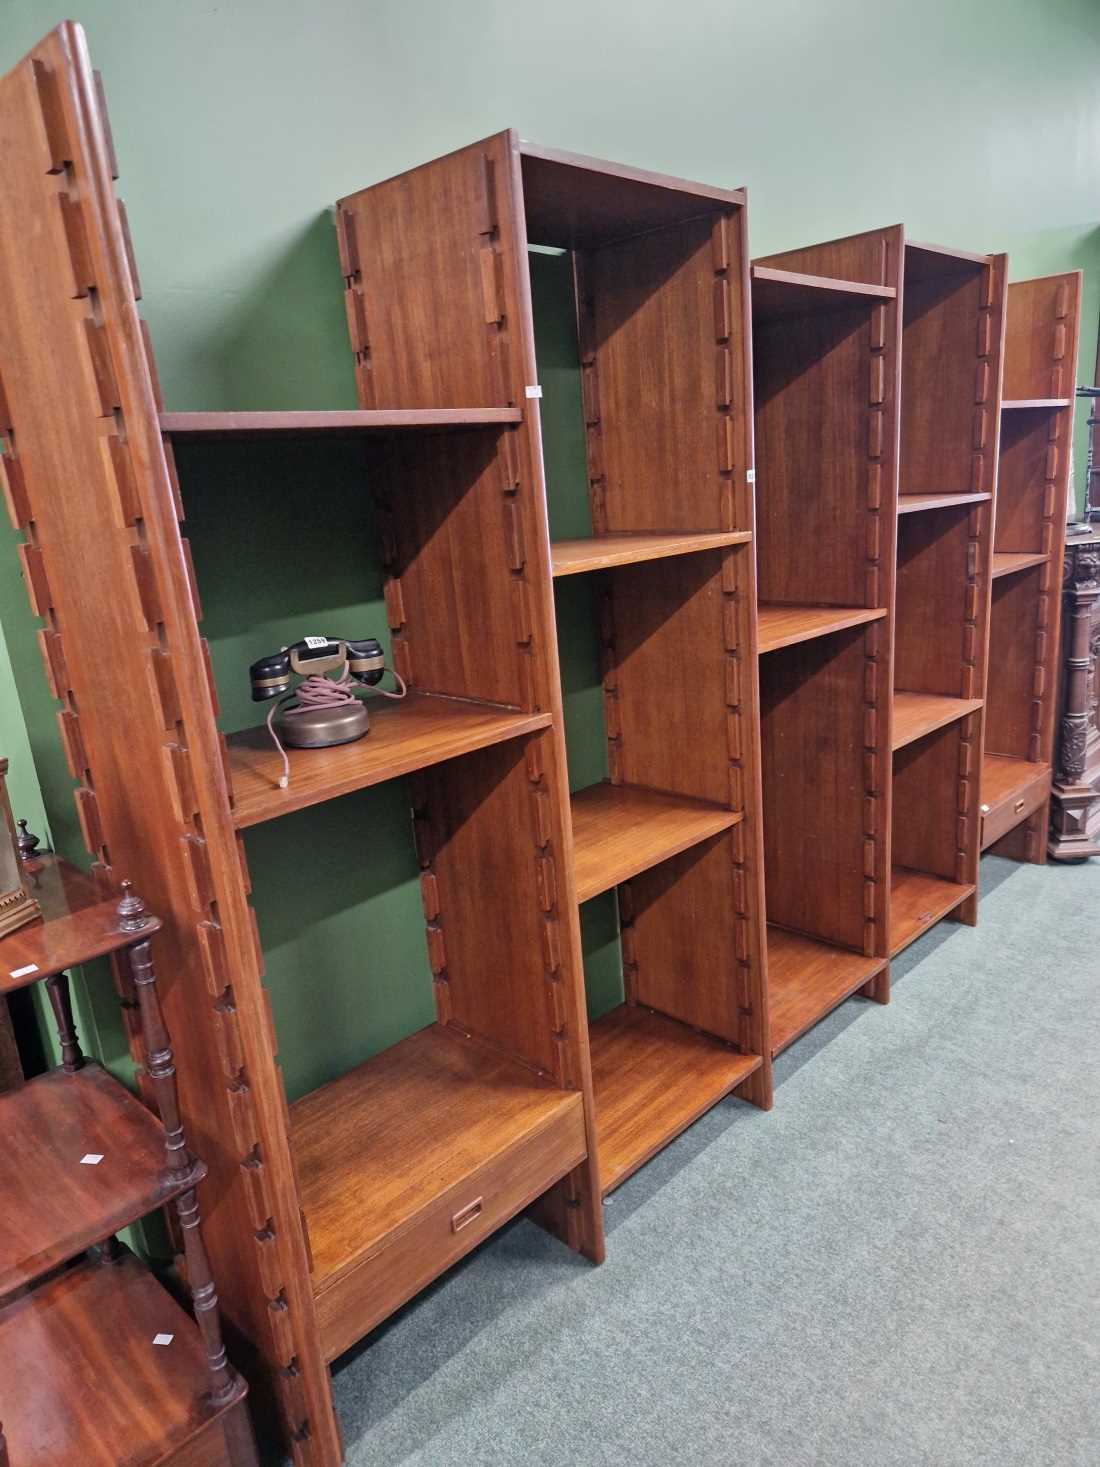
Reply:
x=314, y=642
x=22, y=972
x=534, y=391
x=750, y=476
x=93, y=1158
x=163, y=1339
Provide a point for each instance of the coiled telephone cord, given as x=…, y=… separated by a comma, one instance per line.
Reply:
x=322, y=692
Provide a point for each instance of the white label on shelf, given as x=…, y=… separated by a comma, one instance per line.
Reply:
x=163, y=1339
x=534, y=391
x=315, y=642
x=22, y=972
x=93, y=1158
x=750, y=476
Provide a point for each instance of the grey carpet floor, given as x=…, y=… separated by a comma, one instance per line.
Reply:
x=897, y=1266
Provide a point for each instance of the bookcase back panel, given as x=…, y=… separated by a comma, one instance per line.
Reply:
x=1041, y=337
x=675, y=665
x=812, y=389
x=1019, y=662
x=426, y=257
x=685, y=946
x=940, y=362
x=661, y=332
x=1028, y=455
x=490, y=892
x=937, y=601
x=873, y=258
x=929, y=829
x=812, y=732
x=459, y=531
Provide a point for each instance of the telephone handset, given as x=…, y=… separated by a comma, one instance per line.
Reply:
x=323, y=710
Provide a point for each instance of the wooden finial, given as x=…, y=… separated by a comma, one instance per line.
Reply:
x=27, y=842
x=131, y=910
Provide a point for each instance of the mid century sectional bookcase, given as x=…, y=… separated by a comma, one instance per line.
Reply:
x=792, y=789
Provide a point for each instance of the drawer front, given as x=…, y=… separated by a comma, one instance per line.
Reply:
x=1002, y=818
x=457, y=1222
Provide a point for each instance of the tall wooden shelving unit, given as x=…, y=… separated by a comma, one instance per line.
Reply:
x=439, y=304
x=826, y=360
x=1043, y=323
x=944, y=331
x=333, y=1214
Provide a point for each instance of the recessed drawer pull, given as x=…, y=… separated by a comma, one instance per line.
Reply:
x=1019, y=805
x=466, y=1214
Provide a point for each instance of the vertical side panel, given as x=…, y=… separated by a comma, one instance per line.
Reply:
x=76, y=377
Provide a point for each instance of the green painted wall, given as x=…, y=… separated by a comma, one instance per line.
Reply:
x=236, y=125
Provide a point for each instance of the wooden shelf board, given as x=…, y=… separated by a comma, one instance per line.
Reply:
x=298, y=424
x=55, y=1206
x=912, y=503
x=807, y=979
x=653, y=1077
x=782, y=626
x=83, y=1381
x=376, y=1148
x=1007, y=561
x=917, y=714
x=599, y=552
x=917, y=902
x=621, y=830
x=1019, y=404
x=1003, y=777
x=779, y=294
x=76, y=926
x=418, y=731
x=925, y=260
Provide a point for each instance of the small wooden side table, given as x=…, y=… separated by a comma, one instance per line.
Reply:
x=99, y=1365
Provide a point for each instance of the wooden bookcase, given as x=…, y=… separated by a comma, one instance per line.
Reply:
x=333, y=1213
x=825, y=366
x=943, y=332
x=1041, y=333
x=439, y=305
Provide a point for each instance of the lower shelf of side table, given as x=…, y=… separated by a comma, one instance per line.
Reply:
x=57, y=1200
x=85, y=1382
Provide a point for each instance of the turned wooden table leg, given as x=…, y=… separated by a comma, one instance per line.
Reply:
x=3, y=1448
x=161, y=1070
x=61, y=1002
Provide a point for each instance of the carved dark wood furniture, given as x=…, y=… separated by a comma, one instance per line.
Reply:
x=1042, y=319
x=1075, y=807
x=100, y=1365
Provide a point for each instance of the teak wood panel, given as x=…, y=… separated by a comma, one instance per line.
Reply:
x=873, y=258
x=83, y=1382
x=783, y=626
x=425, y=1130
x=405, y=736
x=489, y=888
x=936, y=807
x=458, y=538
x=778, y=294
x=1013, y=790
x=917, y=714
x=308, y=424
x=808, y=979
x=1041, y=338
x=438, y=259
x=662, y=331
x=90, y=486
x=918, y=901
x=1036, y=457
x=951, y=379
x=1020, y=667
x=826, y=402
x=653, y=1077
x=600, y=552
x=812, y=721
x=620, y=830
x=941, y=605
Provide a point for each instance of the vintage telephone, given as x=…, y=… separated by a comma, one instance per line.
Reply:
x=322, y=710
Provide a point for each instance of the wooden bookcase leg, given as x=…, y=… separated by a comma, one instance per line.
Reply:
x=758, y=1089
x=61, y=1002
x=878, y=989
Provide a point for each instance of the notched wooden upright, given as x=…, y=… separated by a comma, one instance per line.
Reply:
x=89, y=484
x=1043, y=325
